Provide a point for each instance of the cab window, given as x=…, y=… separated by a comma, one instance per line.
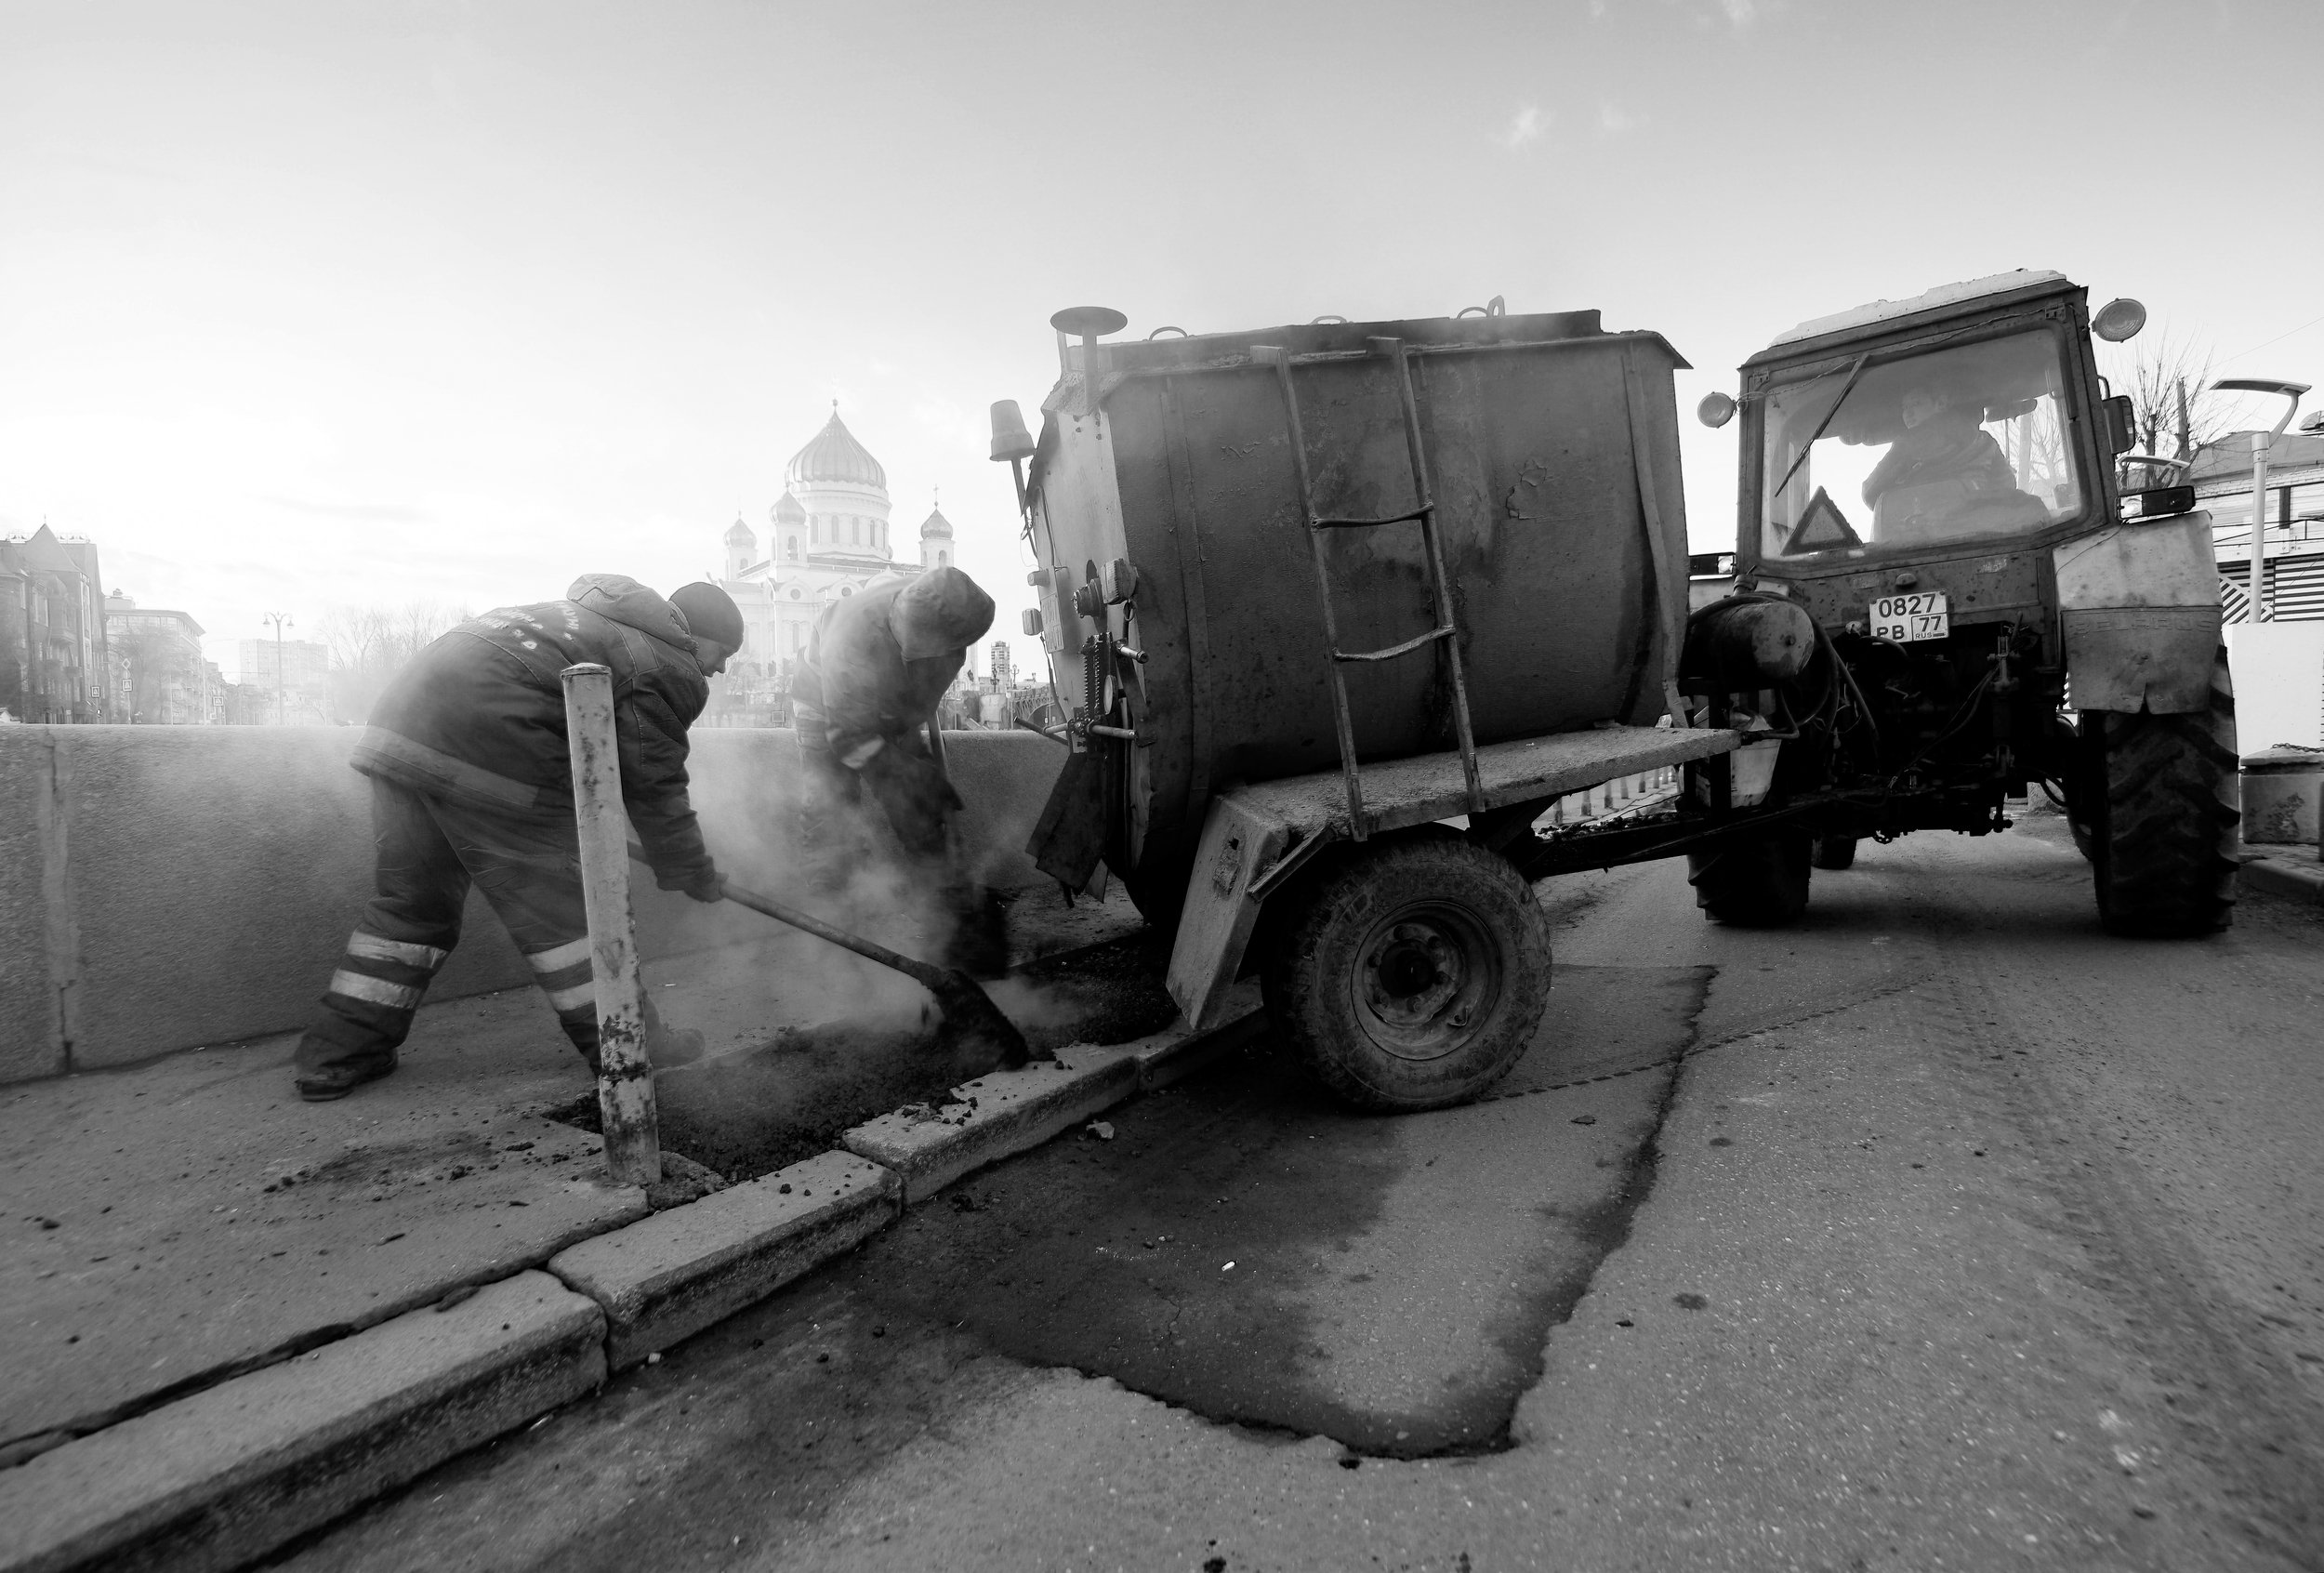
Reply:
x=1950, y=443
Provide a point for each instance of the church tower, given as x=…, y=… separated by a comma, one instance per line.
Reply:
x=787, y=546
x=936, y=541
x=742, y=548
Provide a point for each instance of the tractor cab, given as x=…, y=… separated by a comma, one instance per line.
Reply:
x=1907, y=461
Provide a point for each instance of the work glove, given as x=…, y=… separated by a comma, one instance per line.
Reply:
x=708, y=885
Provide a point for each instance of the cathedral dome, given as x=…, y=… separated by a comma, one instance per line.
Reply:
x=936, y=523
x=787, y=511
x=835, y=456
x=740, y=533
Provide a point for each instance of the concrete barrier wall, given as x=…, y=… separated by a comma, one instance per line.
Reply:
x=167, y=887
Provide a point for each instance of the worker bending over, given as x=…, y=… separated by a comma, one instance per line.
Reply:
x=864, y=698
x=471, y=780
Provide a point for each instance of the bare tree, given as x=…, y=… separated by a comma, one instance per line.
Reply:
x=2168, y=382
x=370, y=644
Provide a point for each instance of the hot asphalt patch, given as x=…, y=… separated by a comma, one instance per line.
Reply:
x=1239, y=1243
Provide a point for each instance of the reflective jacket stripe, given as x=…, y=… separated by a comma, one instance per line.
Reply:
x=420, y=763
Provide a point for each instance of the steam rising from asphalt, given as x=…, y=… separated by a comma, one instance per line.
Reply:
x=747, y=793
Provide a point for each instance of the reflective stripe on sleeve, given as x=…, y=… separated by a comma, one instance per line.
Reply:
x=371, y=948
x=566, y=954
x=376, y=991
x=564, y=999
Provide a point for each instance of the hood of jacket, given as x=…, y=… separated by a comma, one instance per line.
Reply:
x=622, y=599
x=941, y=613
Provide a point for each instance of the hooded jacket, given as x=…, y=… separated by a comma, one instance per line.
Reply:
x=880, y=660
x=479, y=716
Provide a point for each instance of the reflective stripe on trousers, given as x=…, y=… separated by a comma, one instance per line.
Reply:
x=564, y=974
x=389, y=975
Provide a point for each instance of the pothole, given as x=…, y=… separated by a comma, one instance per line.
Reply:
x=748, y=1114
x=1246, y=1250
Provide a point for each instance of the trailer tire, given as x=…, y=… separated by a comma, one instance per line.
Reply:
x=1412, y=974
x=1753, y=881
x=1834, y=852
x=2162, y=829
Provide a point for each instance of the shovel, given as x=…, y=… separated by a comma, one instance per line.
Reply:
x=965, y=1008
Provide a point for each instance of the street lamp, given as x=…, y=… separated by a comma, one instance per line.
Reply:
x=2261, y=443
x=281, y=621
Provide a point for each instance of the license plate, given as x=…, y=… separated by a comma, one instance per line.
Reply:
x=1906, y=617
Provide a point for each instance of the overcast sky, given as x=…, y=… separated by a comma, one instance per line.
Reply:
x=314, y=304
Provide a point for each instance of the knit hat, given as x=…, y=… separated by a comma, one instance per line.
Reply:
x=710, y=613
x=941, y=613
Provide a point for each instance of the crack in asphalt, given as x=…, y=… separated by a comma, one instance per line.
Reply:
x=1760, y=1027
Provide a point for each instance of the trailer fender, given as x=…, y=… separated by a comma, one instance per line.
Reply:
x=2141, y=609
x=1240, y=846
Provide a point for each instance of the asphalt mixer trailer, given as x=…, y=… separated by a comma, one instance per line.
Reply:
x=1336, y=612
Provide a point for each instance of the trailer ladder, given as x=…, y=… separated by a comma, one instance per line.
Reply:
x=1446, y=632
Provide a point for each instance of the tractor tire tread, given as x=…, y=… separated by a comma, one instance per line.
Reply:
x=2165, y=866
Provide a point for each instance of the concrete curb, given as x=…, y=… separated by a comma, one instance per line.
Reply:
x=997, y=1116
x=2279, y=874
x=214, y=1480
x=227, y=1475
x=1173, y=1056
x=670, y=1275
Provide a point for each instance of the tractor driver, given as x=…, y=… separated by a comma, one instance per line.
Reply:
x=873, y=673
x=1942, y=441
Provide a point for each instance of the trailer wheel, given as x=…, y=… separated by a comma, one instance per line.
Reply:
x=1834, y=852
x=1753, y=881
x=2163, y=831
x=1413, y=973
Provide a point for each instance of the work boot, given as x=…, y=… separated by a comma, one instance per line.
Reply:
x=327, y=1083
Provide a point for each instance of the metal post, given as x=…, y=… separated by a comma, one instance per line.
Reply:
x=280, y=620
x=2289, y=392
x=2260, y=610
x=625, y=1082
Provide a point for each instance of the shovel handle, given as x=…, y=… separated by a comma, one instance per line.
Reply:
x=927, y=976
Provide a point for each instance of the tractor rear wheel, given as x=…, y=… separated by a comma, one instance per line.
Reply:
x=1753, y=881
x=1412, y=974
x=1834, y=852
x=2162, y=814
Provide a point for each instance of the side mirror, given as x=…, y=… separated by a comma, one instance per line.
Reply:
x=2121, y=427
x=1715, y=410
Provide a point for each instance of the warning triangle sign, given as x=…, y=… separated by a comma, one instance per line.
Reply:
x=1822, y=527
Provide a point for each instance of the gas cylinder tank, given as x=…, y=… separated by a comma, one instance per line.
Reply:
x=1551, y=450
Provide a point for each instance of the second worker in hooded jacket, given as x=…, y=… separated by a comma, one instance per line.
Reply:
x=878, y=664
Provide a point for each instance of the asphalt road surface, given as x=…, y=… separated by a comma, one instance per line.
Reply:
x=1941, y=1231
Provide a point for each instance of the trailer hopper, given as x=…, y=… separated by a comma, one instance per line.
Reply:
x=1323, y=585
